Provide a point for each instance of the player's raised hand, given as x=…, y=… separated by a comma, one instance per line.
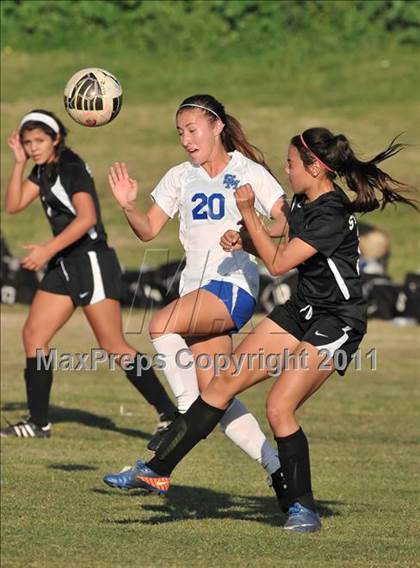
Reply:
x=14, y=143
x=245, y=198
x=231, y=241
x=123, y=187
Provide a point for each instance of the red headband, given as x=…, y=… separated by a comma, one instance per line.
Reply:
x=315, y=156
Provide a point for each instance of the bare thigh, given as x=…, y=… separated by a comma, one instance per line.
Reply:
x=248, y=364
x=197, y=313
x=293, y=388
x=106, y=322
x=211, y=356
x=48, y=313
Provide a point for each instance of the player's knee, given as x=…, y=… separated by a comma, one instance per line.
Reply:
x=221, y=379
x=237, y=379
x=158, y=326
x=225, y=384
x=30, y=336
x=278, y=412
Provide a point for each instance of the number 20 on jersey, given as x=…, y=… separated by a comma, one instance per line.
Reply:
x=208, y=206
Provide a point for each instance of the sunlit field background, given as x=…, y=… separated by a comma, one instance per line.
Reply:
x=272, y=102
x=316, y=63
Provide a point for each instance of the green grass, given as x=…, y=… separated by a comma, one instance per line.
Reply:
x=55, y=509
x=368, y=95
x=57, y=512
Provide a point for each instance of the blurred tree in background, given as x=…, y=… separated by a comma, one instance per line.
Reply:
x=210, y=27
x=282, y=66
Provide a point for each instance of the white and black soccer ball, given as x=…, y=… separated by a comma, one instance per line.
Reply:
x=93, y=97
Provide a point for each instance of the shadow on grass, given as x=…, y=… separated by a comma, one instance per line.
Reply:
x=197, y=503
x=72, y=467
x=60, y=415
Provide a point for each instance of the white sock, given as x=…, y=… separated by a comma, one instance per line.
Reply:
x=183, y=381
x=243, y=429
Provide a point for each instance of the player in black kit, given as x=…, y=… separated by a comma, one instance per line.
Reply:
x=82, y=270
x=326, y=314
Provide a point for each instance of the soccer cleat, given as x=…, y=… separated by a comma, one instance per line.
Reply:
x=26, y=429
x=140, y=476
x=301, y=519
x=162, y=427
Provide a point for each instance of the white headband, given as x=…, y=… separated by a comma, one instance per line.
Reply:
x=203, y=107
x=41, y=117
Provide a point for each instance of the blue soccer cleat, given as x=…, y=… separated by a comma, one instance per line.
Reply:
x=301, y=519
x=140, y=476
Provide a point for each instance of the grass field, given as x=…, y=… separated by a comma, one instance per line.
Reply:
x=371, y=99
x=55, y=509
x=57, y=512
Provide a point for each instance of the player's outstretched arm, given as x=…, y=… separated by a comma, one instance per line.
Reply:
x=232, y=241
x=277, y=258
x=237, y=240
x=279, y=226
x=280, y=213
x=125, y=189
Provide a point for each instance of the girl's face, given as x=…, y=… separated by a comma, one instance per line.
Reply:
x=199, y=135
x=300, y=178
x=39, y=146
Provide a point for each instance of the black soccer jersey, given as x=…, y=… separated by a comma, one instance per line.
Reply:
x=329, y=280
x=58, y=182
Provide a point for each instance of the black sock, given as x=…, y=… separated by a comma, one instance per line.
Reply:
x=294, y=463
x=147, y=383
x=38, y=387
x=187, y=430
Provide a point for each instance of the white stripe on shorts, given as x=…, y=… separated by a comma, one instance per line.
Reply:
x=235, y=291
x=332, y=347
x=98, y=285
x=63, y=268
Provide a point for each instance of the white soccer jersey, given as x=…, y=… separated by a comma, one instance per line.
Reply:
x=207, y=209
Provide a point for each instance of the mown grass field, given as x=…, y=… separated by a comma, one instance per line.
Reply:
x=363, y=430
x=370, y=98
x=55, y=509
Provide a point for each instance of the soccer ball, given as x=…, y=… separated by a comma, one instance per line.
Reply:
x=93, y=97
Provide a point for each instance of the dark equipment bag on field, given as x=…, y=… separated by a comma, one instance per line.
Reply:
x=381, y=294
x=153, y=287
x=17, y=284
x=140, y=290
x=408, y=301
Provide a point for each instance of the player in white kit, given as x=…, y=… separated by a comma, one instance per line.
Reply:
x=218, y=289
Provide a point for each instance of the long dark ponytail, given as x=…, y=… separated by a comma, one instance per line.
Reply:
x=233, y=135
x=374, y=188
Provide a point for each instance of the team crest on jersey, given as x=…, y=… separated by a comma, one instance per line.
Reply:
x=230, y=181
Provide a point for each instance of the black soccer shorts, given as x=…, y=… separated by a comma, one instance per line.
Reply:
x=325, y=331
x=87, y=278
